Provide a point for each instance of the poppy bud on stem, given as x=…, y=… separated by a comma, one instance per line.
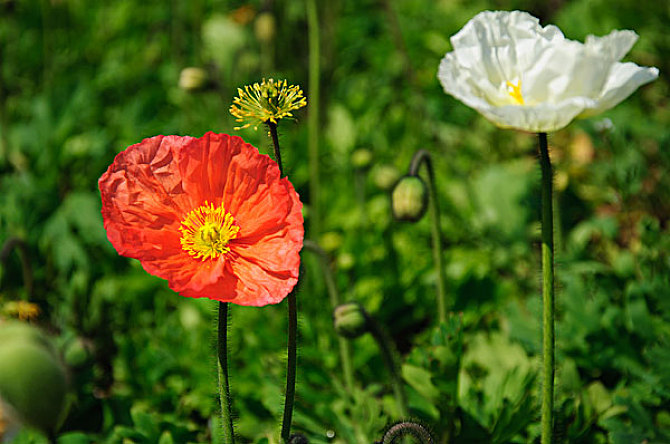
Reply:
x=422, y=157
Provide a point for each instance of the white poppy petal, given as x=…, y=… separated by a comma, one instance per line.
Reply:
x=614, y=45
x=623, y=80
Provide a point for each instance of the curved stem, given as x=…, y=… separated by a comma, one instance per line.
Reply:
x=547, y=292
x=392, y=361
x=292, y=347
x=335, y=300
x=422, y=157
x=224, y=390
x=407, y=428
x=313, y=118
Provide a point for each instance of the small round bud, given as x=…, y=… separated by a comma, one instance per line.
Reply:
x=265, y=27
x=409, y=199
x=350, y=320
x=385, y=176
x=331, y=241
x=361, y=158
x=192, y=78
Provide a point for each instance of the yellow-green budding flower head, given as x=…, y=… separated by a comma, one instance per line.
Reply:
x=269, y=101
x=409, y=199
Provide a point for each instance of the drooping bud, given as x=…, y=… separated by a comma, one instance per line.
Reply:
x=265, y=27
x=193, y=78
x=32, y=380
x=361, y=158
x=350, y=320
x=385, y=176
x=409, y=199
x=298, y=438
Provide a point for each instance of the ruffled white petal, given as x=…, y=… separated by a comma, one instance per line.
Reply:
x=623, y=80
x=614, y=45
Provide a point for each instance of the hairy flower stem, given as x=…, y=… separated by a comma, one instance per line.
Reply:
x=423, y=157
x=292, y=355
x=392, y=361
x=313, y=118
x=547, y=292
x=224, y=390
x=335, y=300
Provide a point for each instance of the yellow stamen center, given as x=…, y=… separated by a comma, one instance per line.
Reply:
x=207, y=230
x=515, y=91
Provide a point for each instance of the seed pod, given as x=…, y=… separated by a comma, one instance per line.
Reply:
x=193, y=78
x=409, y=199
x=265, y=27
x=350, y=320
x=33, y=382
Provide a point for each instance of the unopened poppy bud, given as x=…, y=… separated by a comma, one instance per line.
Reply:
x=385, y=176
x=192, y=78
x=361, y=158
x=298, y=438
x=265, y=27
x=32, y=381
x=409, y=199
x=350, y=320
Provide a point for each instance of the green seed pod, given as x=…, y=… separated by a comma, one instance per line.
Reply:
x=409, y=199
x=193, y=79
x=385, y=176
x=12, y=331
x=33, y=382
x=265, y=27
x=361, y=158
x=350, y=320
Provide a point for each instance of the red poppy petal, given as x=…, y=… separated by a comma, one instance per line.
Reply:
x=151, y=186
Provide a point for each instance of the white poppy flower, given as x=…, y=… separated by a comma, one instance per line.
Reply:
x=521, y=75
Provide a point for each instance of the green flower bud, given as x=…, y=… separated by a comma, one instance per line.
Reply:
x=193, y=79
x=385, y=176
x=33, y=382
x=265, y=27
x=76, y=353
x=350, y=320
x=409, y=199
x=361, y=158
x=331, y=241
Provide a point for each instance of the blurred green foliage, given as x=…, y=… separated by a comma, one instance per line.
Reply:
x=80, y=81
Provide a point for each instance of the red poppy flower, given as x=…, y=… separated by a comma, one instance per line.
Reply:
x=211, y=215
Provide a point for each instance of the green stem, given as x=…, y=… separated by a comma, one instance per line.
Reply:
x=313, y=118
x=423, y=157
x=335, y=300
x=290, y=366
x=292, y=348
x=547, y=292
x=224, y=390
x=392, y=361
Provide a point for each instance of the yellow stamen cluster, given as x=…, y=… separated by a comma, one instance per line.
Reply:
x=266, y=102
x=515, y=92
x=23, y=310
x=207, y=230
